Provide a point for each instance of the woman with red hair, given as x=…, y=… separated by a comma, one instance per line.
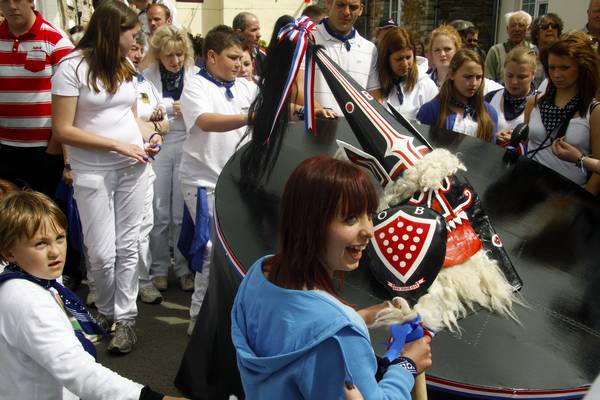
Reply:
x=295, y=337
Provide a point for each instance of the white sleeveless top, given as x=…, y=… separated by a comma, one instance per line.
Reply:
x=503, y=125
x=578, y=135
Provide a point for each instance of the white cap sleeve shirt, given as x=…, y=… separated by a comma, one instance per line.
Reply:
x=206, y=153
x=360, y=63
x=102, y=114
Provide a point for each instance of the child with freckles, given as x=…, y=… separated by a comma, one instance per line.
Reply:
x=43, y=355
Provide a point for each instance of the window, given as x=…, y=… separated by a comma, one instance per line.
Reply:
x=535, y=8
x=391, y=9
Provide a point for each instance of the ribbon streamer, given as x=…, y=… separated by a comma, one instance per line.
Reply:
x=299, y=32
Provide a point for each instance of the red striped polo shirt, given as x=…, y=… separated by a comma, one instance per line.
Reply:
x=27, y=63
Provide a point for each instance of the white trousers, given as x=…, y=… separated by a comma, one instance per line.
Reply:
x=144, y=257
x=168, y=209
x=201, y=279
x=111, y=204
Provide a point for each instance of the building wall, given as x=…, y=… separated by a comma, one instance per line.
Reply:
x=480, y=12
x=201, y=17
x=572, y=12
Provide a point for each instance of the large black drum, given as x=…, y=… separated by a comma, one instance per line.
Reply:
x=549, y=226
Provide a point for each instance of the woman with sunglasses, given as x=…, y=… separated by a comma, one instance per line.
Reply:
x=545, y=30
x=566, y=109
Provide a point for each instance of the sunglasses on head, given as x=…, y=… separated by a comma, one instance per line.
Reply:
x=549, y=25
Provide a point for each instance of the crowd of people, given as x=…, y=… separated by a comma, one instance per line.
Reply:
x=138, y=119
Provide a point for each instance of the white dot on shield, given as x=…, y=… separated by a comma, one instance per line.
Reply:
x=389, y=250
x=416, y=239
x=400, y=246
x=386, y=242
x=381, y=235
x=391, y=230
x=409, y=228
x=395, y=258
x=400, y=224
x=419, y=231
x=413, y=247
x=402, y=264
x=395, y=238
x=408, y=256
x=405, y=237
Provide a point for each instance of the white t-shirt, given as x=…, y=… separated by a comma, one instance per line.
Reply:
x=205, y=153
x=100, y=113
x=503, y=125
x=40, y=355
x=423, y=91
x=490, y=85
x=465, y=125
x=360, y=62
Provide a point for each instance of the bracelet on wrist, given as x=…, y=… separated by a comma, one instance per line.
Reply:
x=151, y=136
x=406, y=363
x=156, y=127
x=579, y=163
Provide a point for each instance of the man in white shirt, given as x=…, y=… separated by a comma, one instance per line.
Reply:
x=353, y=53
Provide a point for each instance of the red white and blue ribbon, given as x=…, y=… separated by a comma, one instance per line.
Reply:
x=299, y=32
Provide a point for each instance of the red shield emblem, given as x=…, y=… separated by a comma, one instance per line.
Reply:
x=402, y=242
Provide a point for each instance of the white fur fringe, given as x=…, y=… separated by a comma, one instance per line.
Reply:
x=427, y=174
x=397, y=312
x=478, y=282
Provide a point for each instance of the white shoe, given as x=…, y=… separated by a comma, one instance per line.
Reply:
x=191, y=326
x=90, y=300
x=150, y=295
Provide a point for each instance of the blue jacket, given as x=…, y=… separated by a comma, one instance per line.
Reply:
x=294, y=344
x=428, y=114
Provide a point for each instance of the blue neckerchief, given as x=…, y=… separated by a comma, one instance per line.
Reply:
x=514, y=106
x=434, y=77
x=71, y=302
x=172, y=82
x=140, y=77
x=468, y=108
x=64, y=193
x=342, y=38
x=398, y=83
x=226, y=84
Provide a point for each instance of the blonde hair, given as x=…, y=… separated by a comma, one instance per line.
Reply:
x=167, y=38
x=522, y=55
x=22, y=213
